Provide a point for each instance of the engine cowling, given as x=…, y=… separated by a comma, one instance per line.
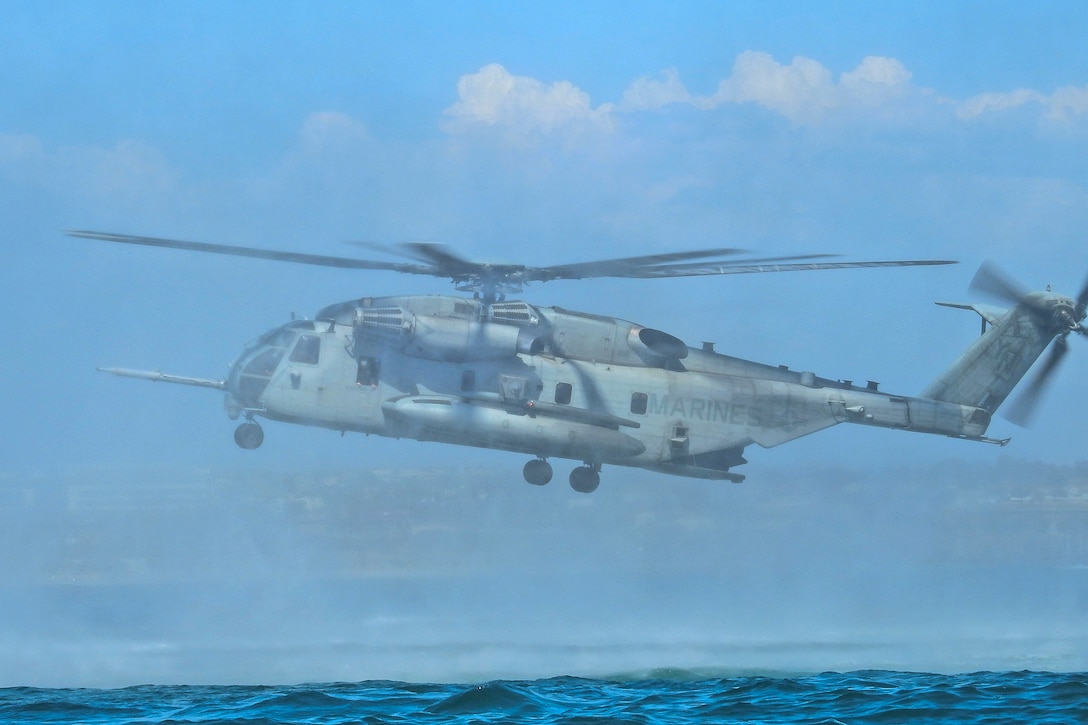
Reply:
x=446, y=339
x=453, y=340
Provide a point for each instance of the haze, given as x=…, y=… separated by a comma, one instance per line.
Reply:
x=539, y=135
x=465, y=574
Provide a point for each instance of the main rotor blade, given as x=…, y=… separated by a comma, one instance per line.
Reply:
x=392, y=250
x=1023, y=408
x=441, y=256
x=451, y=264
x=657, y=266
x=706, y=268
x=621, y=265
x=505, y=277
x=279, y=256
x=709, y=269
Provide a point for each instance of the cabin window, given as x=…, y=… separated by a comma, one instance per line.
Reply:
x=369, y=369
x=638, y=403
x=307, y=350
x=468, y=380
x=563, y=393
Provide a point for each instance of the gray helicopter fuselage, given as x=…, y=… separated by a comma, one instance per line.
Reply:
x=550, y=382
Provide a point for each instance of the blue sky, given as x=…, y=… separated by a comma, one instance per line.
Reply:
x=531, y=133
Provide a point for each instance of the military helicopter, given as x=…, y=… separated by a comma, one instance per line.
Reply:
x=549, y=382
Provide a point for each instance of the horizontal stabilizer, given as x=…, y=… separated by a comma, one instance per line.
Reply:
x=989, y=313
x=161, y=377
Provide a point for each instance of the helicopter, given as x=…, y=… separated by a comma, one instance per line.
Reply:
x=548, y=382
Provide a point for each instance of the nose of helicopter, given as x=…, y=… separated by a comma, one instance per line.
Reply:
x=233, y=403
x=253, y=370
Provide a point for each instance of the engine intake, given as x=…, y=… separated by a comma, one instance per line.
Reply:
x=656, y=345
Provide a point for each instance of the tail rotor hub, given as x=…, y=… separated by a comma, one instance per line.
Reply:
x=1065, y=318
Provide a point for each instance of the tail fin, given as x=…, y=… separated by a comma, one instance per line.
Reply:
x=990, y=368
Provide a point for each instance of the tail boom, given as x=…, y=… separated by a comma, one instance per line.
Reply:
x=986, y=373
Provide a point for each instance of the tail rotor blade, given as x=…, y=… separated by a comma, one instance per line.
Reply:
x=994, y=283
x=1023, y=407
x=1082, y=300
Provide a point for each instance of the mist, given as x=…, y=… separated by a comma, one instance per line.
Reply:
x=115, y=577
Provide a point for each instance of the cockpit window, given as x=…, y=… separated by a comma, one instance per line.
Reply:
x=307, y=350
x=264, y=363
x=281, y=337
x=264, y=355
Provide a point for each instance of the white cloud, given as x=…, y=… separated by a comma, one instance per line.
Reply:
x=1059, y=106
x=330, y=130
x=997, y=102
x=522, y=106
x=648, y=93
x=130, y=169
x=800, y=90
x=805, y=90
x=875, y=80
x=1069, y=101
x=333, y=160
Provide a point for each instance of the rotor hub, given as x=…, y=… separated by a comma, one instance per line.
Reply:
x=1065, y=317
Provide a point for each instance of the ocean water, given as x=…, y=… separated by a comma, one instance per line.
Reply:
x=869, y=696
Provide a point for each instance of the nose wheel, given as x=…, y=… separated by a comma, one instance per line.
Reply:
x=249, y=435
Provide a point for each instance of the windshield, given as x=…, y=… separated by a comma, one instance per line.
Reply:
x=254, y=369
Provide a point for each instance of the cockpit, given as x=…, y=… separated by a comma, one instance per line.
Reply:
x=251, y=373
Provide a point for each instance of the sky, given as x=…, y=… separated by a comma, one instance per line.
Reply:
x=540, y=134
x=515, y=132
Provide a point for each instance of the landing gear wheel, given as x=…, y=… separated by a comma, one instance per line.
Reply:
x=585, y=479
x=537, y=472
x=249, y=436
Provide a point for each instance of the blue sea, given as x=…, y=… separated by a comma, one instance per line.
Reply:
x=870, y=696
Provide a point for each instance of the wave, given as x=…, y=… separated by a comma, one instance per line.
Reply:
x=663, y=696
